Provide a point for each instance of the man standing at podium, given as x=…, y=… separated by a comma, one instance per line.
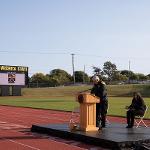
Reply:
x=99, y=90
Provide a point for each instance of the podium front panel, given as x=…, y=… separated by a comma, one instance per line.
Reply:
x=87, y=111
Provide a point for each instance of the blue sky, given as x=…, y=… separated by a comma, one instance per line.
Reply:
x=42, y=34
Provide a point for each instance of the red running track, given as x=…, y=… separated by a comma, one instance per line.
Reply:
x=15, y=124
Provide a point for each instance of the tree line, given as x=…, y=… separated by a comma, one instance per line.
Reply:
x=109, y=73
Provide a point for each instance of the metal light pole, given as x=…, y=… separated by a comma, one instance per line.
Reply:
x=74, y=80
x=129, y=71
x=84, y=75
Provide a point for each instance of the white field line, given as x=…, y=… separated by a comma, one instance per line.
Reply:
x=7, y=125
x=68, y=144
x=24, y=145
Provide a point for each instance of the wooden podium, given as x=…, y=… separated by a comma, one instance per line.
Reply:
x=87, y=111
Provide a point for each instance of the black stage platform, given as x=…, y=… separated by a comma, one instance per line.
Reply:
x=115, y=136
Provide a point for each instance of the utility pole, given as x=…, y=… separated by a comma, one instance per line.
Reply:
x=84, y=75
x=129, y=71
x=74, y=80
x=129, y=65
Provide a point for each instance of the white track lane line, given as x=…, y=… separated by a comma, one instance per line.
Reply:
x=24, y=145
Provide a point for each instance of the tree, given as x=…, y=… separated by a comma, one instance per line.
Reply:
x=119, y=77
x=127, y=73
x=148, y=76
x=110, y=70
x=39, y=80
x=141, y=77
x=98, y=71
x=133, y=77
x=39, y=77
x=81, y=76
x=59, y=77
x=123, y=77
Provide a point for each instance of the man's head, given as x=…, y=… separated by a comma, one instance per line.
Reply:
x=95, y=79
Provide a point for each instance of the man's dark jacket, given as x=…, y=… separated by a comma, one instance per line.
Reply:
x=100, y=91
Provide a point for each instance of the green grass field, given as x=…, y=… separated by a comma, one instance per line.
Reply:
x=63, y=98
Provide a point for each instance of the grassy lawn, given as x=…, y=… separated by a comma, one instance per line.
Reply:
x=116, y=104
x=63, y=98
x=44, y=103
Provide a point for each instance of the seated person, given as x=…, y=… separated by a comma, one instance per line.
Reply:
x=137, y=108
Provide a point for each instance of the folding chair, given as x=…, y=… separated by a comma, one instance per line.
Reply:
x=140, y=119
x=74, y=119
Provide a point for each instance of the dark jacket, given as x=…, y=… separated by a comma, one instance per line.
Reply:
x=138, y=104
x=100, y=91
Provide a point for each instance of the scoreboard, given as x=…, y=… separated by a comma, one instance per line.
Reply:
x=13, y=75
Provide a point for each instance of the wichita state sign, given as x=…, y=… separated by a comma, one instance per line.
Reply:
x=5, y=68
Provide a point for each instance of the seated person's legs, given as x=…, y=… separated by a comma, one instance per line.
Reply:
x=130, y=118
